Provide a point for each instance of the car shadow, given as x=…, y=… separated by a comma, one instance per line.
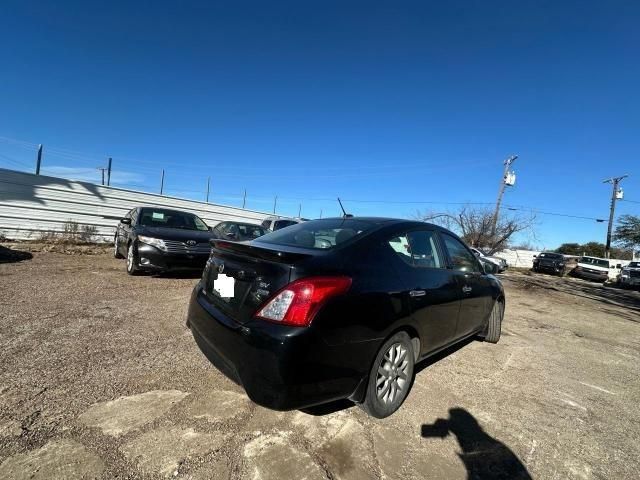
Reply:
x=178, y=274
x=483, y=456
x=9, y=255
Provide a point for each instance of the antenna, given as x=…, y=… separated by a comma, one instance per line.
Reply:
x=344, y=213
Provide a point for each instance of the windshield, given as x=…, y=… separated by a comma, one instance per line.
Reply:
x=550, y=255
x=158, y=217
x=598, y=262
x=320, y=234
x=634, y=265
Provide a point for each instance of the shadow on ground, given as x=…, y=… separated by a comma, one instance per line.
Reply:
x=8, y=255
x=483, y=456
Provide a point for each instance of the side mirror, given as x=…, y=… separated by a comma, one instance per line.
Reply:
x=210, y=229
x=535, y=256
x=125, y=221
x=489, y=268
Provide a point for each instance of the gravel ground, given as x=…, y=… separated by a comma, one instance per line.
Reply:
x=100, y=379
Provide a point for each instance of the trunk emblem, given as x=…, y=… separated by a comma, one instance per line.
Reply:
x=221, y=268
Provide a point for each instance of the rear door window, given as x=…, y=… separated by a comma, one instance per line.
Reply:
x=418, y=249
x=460, y=256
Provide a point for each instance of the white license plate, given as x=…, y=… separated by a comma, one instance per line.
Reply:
x=224, y=285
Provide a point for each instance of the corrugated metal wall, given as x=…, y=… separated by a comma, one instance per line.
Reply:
x=33, y=204
x=518, y=258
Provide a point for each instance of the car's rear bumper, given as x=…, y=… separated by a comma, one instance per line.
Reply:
x=151, y=258
x=280, y=367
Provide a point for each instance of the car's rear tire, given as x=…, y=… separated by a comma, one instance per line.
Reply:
x=391, y=377
x=494, y=326
x=132, y=261
x=116, y=251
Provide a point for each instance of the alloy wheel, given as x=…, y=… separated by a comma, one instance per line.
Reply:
x=393, y=374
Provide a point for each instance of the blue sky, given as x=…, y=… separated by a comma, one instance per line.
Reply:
x=389, y=102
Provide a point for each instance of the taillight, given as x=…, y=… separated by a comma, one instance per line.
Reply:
x=297, y=303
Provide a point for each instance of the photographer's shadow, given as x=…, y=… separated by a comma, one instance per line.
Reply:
x=483, y=456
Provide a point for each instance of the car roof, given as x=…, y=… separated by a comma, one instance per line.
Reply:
x=386, y=221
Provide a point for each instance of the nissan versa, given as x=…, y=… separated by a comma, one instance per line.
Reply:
x=158, y=239
x=340, y=308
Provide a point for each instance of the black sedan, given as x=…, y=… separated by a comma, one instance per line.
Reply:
x=340, y=308
x=158, y=239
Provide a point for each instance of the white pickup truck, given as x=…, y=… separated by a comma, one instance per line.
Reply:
x=601, y=269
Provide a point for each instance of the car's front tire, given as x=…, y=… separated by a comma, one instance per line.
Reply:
x=132, y=261
x=494, y=324
x=116, y=251
x=391, y=377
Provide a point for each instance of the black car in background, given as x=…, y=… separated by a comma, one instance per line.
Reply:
x=158, y=239
x=340, y=308
x=237, y=231
x=550, y=262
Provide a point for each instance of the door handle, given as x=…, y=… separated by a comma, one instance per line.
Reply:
x=466, y=289
x=417, y=293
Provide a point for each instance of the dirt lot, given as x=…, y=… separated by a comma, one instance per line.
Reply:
x=100, y=378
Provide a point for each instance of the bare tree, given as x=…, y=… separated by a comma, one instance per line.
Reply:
x=474, y=226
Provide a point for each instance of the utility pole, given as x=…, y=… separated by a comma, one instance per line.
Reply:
x=244, y=198
x=508, y=179
x=39, y=159
x=102, y=169
x=299, y=210
x=320, y=213
x=615, y=195
x=208, y=185
x=162, y=182
x=275, y=201
x=109, y=172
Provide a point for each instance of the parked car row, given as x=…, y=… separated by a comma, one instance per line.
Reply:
x=589, y=268
x=321, y=310
x=159, y=239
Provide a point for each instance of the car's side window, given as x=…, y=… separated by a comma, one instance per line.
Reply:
x=134, y=216
x=461, y=258
x=424, y=250
x=400, y=245
x=417, y=248
x=265, y=224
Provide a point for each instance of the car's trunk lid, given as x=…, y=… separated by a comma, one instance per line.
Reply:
x=258, y=272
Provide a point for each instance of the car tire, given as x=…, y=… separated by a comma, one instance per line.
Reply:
x=116, y=252
x=562, y=272
x=494, y=323
x=132, y=261
x=391, y=377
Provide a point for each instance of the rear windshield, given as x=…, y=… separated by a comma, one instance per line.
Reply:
x=550, y=255
x=598, y=262
x=320, y=234
x=634, y=265
x=159, y=217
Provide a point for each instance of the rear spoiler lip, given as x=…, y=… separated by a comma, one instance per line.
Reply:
x=280, y=255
